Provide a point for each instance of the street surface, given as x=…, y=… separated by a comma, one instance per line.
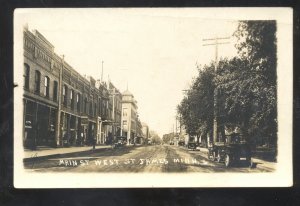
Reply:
x=152, y=158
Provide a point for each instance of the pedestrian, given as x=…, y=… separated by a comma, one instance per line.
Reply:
x=81, y=139
x=94, y=142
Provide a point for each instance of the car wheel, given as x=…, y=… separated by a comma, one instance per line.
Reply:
x=249, y=162
x=228, y=160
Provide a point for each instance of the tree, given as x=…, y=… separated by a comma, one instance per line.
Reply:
x=196, y=109
x=257, y=46
x=167, y=138
x=155, y=138
x=245, y=87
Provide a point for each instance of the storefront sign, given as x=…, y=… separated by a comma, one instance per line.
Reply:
x=84, y=121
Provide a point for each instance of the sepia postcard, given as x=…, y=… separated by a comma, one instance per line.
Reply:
x=153, y=97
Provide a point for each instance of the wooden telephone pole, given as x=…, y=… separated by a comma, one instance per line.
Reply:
x=215, y=42
x=58, y=131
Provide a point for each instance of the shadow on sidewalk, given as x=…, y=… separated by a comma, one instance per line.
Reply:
x=87, y=153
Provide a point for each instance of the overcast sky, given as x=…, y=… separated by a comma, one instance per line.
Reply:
x=153, y=50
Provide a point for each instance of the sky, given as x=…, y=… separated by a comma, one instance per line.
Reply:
x=153, y=51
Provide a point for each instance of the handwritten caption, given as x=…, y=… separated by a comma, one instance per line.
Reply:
x=111, y=162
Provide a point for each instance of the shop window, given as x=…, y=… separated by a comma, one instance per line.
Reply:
x=37, y=82
x=47, y=86
x=26, y=76
x=55, y=86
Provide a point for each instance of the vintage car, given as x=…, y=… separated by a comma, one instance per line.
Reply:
x=120, y=142
x=181, y=143
x=192, y=145
x=233, y=151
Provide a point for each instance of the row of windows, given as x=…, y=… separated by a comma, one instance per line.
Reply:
x=88, y=107
x=37, y=83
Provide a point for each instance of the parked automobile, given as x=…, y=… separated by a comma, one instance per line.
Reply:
x=181, y=143
x=192, y=146
x=120, y=142
x=234, y=150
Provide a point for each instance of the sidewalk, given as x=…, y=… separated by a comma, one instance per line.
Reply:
x=259, y=162
x=48, y=151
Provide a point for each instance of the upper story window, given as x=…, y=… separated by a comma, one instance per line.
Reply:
x=103, y=108
x=47, y=86
x=85, y=106
x=78, y=102
x=99, y=107
x=95, y=109
x=91, y=108
x=55, y=86
x=124, y=112
x=26, y=76
x=106, y=107
x=65, y=94
x=72, y=99
x=37, y=82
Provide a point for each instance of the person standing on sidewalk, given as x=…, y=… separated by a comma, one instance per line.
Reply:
x=94, y=142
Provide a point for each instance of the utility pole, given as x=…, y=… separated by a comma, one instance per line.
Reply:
x=99, y=119
x=58, y=126
x=180, y=124
x=173, y=130
x=176, y=125
x=102, y=72
x=216, y=42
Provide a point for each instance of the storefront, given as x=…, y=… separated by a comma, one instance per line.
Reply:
x=88, y=129
x=91, y=132
x=107, y=132
x=84, y=130
x=39, y=120
x=70, y=129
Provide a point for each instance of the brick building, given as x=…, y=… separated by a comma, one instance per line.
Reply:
x=61, y=107
x=115, y=101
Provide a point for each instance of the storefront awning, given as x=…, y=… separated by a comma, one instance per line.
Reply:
x=85, y=120
x=108, y=122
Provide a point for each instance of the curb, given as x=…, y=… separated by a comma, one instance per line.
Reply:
x=57, y=155
x=35, y=158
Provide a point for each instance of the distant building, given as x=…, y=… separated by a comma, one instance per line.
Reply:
x=103, y=113
x=139, y=139
x=115, y=108
x=145, y=130
x=129, y=116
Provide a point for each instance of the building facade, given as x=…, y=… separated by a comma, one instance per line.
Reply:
x=129, y=116
x=145, y=131
x=62, y=107
x=41, y=77
x=115, y=99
